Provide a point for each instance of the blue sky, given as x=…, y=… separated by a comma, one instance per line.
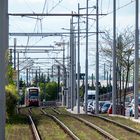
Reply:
x=125, y=17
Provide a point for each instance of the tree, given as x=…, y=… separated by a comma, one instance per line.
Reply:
x=42, y=91
x=48, y=78
x=10, y=72
x=51, y=91
x=11, y=99
x=42, y=78
x=125, y=57
x=21, y=83
x=10, y=90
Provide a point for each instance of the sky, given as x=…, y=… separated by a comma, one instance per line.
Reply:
x=125, y=17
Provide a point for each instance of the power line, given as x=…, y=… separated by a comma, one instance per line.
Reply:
x=121, y=7
x=28, y=6
x=116, y=10
x=55, y=5
x=44, y=6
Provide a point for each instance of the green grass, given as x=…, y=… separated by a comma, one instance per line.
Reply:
x=115, y=130
x=127, y=122
x=48, y=129
x=80, y=129
x=24, y=111
x=36, y=111
x=17, y=128
x=49, y=110
x=62, y=110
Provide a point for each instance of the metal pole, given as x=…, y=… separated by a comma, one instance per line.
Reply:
x=68, y=81
x=3, y=48
x=72, y=64
x=92, y=80
x=58, y=82
x=72, y=90
x=65, y=75
x=136, y=64
x=110, y=77
x=10, y=61
x=78, y=64
x=104, y=72
x=32, y=74
x=18, y=72
x=67, y=93
x=70, y=74
x=114, y=60
x=107, y=83
x=15, y=53
x=97, y=60
x=52, y=74
x=27, y=77
x=86, y=63
x=39, y=73
x=63, y=93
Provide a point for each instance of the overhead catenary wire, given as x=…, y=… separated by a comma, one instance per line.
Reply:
x=28, y=6
x=40, y=20
x=121, y=7
x=55, y=6
x=108, y=13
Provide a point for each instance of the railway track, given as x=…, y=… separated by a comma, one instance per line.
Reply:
x=105, y=134
x=125, y=131
x=63, y=126
x=33, y=127
x=130, y=129
x=47, y=121
x=107, y=128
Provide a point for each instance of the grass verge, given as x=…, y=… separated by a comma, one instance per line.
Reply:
x=17, y=128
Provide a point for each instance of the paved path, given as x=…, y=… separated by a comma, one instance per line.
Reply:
x=75, y=110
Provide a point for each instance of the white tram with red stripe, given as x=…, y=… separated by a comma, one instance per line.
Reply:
x=32, y=96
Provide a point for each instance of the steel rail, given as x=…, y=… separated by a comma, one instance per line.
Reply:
x=55, y=111
x=33, y=126
x=119, y=124
x=62, y=125
x=34, y=129
x=100, y=130
x=95, y=127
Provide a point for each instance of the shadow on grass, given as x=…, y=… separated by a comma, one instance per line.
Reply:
x=17, y=119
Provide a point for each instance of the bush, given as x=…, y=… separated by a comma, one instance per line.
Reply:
x=51, y=91
x=11, y=99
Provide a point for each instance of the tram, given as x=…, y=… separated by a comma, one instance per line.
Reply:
x=32, y=96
